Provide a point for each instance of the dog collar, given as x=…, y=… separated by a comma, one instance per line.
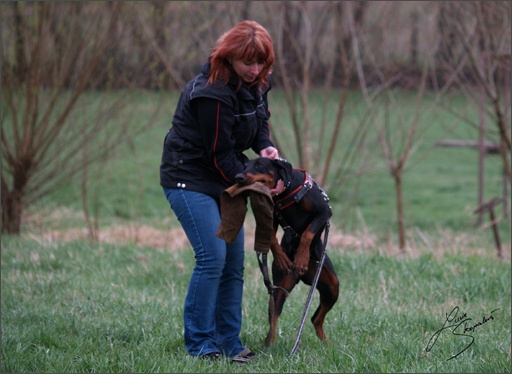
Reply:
x=297, y=194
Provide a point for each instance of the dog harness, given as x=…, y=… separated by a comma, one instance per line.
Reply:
x=294, y=197
x=297, y=194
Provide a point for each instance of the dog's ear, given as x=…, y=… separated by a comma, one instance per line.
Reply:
x=284, y=169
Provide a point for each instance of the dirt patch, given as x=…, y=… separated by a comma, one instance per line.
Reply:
x=143, y=236
x=175, y=239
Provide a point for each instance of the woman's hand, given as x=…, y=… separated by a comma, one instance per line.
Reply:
x=270, y=152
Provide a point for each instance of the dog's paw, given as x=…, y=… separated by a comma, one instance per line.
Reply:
x=299, y=271
x=300, y=266
x=284, y=264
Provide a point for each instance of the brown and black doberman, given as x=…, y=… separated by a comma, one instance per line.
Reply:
x=302, y=210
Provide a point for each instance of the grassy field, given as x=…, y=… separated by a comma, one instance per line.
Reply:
x=79, y=307
x=69, y=305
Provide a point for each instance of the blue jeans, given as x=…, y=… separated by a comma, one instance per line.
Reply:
x=213, y=305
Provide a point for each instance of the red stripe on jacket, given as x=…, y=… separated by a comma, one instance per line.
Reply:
x=217, y=124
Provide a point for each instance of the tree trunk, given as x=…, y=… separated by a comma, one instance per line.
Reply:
x=21, y=62
x=481, y=149
x=12, y=209
x=414, y=40
x=400, y=210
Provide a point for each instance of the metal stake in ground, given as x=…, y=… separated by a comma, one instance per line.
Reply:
x=311, y=290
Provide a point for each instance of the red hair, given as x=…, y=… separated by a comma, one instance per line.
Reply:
x=247, y=41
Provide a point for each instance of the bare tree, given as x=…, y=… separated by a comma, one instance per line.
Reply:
x=475, y=43
x=400, y=132
x=405, y=137
x=300, y=30
x=49, y=117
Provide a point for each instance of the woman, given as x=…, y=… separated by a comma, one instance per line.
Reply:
x=221, y=113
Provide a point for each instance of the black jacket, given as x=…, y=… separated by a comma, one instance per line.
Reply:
x=212, y=126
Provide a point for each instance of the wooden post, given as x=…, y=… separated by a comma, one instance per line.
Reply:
x=489, y=206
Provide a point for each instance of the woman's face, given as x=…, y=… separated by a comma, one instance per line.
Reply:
x=247, y=70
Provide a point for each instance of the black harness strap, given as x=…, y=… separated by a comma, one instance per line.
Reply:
x=297, y=194
x=293, y=197
x=264, y=270
x=266, y=278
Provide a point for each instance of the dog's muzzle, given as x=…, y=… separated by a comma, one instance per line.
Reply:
x=240, y=178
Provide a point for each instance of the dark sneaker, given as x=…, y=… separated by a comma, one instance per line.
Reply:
x=245, y=356
x=211, y=356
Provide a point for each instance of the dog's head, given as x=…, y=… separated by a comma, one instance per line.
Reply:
x=265, y=170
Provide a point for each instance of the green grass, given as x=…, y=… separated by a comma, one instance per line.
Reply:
x=81, y=307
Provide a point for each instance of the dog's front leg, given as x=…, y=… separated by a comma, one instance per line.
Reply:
x=300, y=264
x=280, y=258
